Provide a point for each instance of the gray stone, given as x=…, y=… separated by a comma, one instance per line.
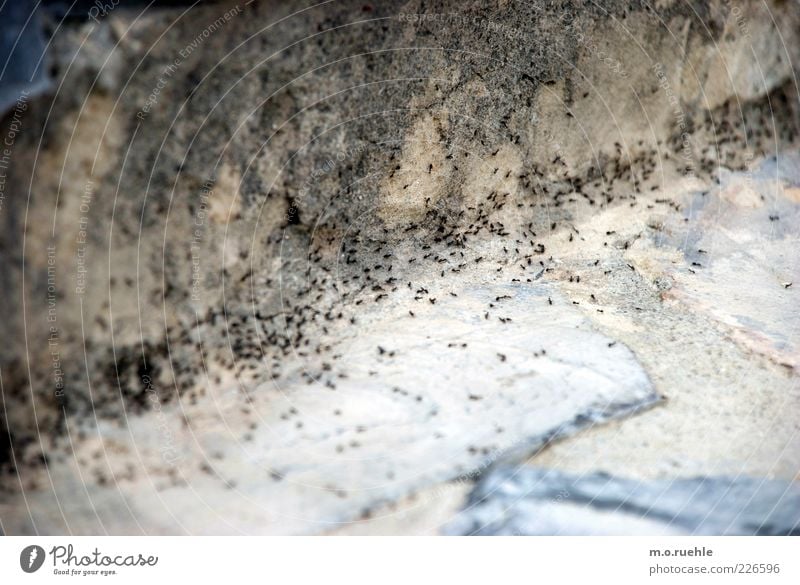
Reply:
x=531, y=501
x=231, y=262
x=421, y=400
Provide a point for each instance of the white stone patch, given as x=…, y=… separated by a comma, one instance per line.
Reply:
x=423, y=411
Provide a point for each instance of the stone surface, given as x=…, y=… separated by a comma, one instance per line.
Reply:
x=529, y=501
x=221, y=260
x=408, y=402
x=737, y=240
x=718, y=338
x=22, y=52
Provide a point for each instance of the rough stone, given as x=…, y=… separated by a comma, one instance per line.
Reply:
x=301, y=182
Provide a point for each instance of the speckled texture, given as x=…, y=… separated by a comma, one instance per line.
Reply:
x=540, y=502
x=295, y=172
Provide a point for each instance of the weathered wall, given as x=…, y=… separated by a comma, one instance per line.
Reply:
x=281, y=142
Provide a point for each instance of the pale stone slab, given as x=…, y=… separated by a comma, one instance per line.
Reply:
x=446, y=395
x=533, y=501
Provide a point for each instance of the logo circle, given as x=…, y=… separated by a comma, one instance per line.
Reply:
x=31, y=558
